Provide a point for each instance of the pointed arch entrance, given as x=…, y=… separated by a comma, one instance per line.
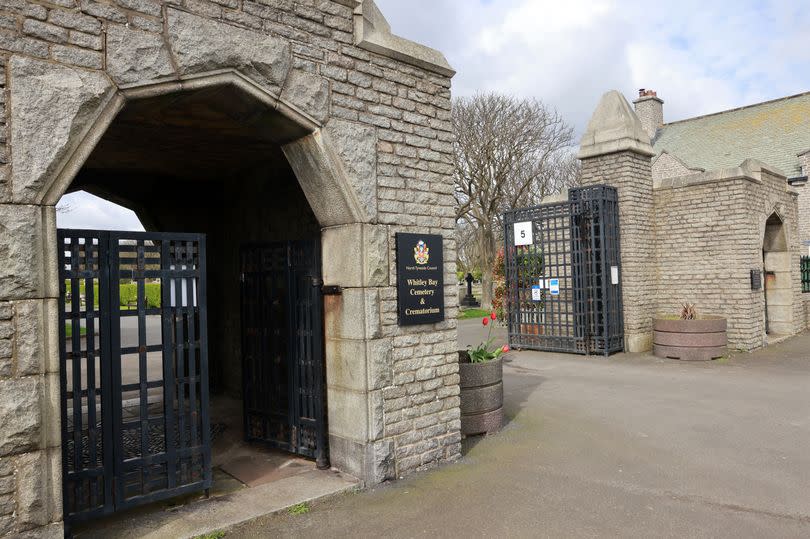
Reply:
x=776, y=265
x=251, y=175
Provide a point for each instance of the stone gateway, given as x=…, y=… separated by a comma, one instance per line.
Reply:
x=249, y=122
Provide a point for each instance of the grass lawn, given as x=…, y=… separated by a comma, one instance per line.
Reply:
x=69, y=330
x=464, y=314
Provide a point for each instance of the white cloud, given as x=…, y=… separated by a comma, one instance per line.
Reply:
x=700, y=56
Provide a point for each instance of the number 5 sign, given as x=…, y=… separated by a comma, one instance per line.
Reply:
x=524, y=233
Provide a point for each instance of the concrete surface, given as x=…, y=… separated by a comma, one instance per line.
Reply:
x=631, y=446
x=205, y=516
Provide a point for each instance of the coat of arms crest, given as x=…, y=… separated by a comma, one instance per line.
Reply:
x=421, y=253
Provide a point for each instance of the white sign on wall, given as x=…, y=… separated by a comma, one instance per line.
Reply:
x=614, y=274
x=554, y=287
x=524, y=233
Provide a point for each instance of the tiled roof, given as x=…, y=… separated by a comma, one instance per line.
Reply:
x=774, y=132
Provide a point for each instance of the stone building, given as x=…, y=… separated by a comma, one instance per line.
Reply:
x=248, y=121
x=707, y=206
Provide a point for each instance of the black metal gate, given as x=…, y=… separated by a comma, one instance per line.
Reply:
x=563, y=268
x=282, y=347
x=134, y=369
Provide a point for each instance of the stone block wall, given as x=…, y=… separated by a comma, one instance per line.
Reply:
x=709, y=236
x=630, y=173
x=666, y=166
x=398, y=410
x=706, y=246
x=804, y=202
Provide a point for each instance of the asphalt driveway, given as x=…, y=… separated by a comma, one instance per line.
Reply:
x=631, y=446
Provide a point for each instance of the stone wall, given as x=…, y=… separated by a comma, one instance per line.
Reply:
x=630, y=173
x=381, y=121
x=710, y=230
x=666, y=165
x=804, y=202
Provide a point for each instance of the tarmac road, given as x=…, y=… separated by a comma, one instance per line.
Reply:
x=631, y=446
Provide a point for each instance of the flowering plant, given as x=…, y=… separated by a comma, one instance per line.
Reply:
x=485, y=351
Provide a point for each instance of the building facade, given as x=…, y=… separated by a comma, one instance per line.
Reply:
x=725, y=237
x=246, y=121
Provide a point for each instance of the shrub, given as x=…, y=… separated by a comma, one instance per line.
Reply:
x=499, y=287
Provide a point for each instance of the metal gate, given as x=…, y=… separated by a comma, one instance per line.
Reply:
x=133, y=368
x=563, y=269
x=282, y=347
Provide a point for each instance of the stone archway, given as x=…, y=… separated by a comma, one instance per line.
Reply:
x=777, y=277
x=60, y=113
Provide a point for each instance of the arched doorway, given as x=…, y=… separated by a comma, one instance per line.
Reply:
x=776, y=266
x=209, y=170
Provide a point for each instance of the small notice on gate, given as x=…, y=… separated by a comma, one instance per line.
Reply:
x=537, y=294
x=554, y=287
x=614, y=274
x=524, y=233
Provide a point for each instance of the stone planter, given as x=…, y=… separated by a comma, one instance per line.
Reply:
x=481, y=395
x=691, y=340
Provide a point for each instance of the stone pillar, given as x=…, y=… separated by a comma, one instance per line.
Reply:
x=358, y=355
x=615, y=150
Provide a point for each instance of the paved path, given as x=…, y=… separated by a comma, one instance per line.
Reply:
x=472, y=332
x=631, y=446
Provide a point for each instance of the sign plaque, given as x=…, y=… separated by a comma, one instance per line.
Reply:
x=420, y=282
x=524, y=233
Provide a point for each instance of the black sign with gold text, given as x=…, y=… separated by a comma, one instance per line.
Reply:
x=420, y=284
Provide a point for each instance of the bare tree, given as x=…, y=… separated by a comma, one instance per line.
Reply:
x=509, y=152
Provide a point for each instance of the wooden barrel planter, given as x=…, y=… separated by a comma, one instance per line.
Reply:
x=481, y=395
x=691, y=340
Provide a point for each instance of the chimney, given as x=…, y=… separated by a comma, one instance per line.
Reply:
x=650, y=110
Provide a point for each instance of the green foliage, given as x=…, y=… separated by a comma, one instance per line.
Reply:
x=477, y=273
x=219, y=534
x=466, y=314
x=485, y=352
x=69, y=330
x=299, y=509
x=499, y=286
x=128, y=293
x=460, y=276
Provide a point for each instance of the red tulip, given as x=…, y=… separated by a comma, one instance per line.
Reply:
x=493, y=315
x=505, y=348
x=485, y=321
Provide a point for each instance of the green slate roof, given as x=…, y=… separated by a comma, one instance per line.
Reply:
x=775, y=132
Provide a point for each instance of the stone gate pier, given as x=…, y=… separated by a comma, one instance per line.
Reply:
x=315, y=98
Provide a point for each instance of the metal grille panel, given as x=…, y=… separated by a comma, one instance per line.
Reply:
x=575, y=243
x=283, y=361
x=134, y=339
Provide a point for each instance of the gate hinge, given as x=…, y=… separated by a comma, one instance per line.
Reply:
x=331, y=290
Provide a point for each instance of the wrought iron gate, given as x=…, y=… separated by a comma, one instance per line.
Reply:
x=134, y=369
x=563, y=290
x=282, y=347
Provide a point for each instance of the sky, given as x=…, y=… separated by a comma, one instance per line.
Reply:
x=700, y=56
